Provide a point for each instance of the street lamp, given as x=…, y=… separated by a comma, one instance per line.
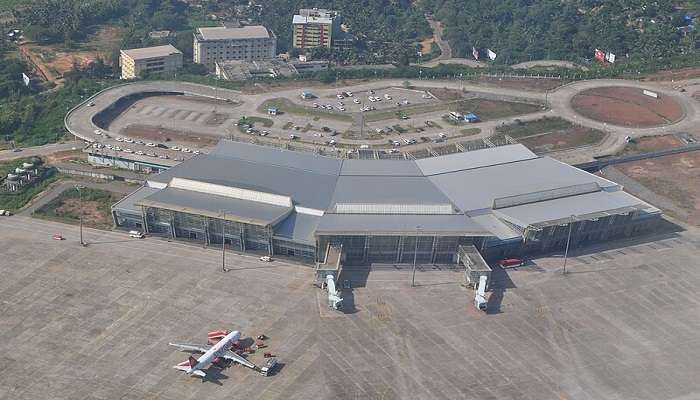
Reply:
x=568, y=241
x=415, y=255
x=80, y=196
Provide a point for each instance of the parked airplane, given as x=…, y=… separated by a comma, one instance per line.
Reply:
x=220, y=350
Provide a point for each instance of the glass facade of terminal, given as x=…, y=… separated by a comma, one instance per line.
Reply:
x=396, y=249
x=366, y=249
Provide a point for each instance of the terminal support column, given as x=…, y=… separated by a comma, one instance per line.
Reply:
x=145, y=220
x=399, y=249
x=365, y=251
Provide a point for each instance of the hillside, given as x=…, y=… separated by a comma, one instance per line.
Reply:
x=523, y=30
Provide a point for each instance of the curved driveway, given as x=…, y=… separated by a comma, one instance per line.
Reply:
x=79, y=120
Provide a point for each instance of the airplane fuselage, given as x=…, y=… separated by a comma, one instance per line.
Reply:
x=217, y=350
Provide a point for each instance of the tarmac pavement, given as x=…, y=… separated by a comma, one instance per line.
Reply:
x=93, y=323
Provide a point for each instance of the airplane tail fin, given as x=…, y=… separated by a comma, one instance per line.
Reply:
x=186, y=366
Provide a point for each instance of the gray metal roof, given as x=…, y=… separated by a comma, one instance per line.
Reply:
x=387, y=190
x=474, y=159
x=151, y=52
x=128, y=203
x=356, y=224
x=586, y=206
x=307, y=189
x=494, y=225
x=380, y=168
x=298, y=228
x=214, y=206
x=469, y=182
x=475, y=189
x=278, y=157
x=243, y=32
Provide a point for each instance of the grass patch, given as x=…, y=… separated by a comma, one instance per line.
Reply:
x=469, y=131
x=286, y=106
x=66, y=208
x=494, y=109
x=551, y=134
x=266, y=122
x=485, y=109
x=398, y=128
x=529, y=128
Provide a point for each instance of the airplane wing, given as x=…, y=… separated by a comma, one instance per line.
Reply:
x=229, y=355
x=198, y=348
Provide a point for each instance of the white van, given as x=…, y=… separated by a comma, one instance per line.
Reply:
x=136, y=234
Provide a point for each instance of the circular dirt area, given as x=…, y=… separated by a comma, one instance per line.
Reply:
x=626, y=106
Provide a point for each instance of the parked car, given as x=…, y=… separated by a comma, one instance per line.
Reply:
x=58, y=236
x=266, y=258
x=136, y=234
x=511, y=262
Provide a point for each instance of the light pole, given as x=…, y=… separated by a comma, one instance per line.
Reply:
x=415, y=256
x=568, y=240
x=80, y=197
x=223, y=243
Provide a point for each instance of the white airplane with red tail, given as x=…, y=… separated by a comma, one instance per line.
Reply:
x=213, y=353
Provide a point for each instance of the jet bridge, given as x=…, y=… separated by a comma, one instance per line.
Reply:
x=328, y=272
x=474, y=264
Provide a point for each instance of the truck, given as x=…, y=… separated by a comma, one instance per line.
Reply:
x=269, y=366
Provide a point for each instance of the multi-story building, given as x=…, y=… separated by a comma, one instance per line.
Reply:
x=243, y=43
x=135, y=62
x=314, y=28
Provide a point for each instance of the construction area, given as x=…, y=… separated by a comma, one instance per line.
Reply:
x=95, y=322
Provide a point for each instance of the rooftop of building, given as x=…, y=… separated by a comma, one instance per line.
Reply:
x=151, y=52
x=225, y=33
x=247, y=69
x=314, y=15
x=479, y=193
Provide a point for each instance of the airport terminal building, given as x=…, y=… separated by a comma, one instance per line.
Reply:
x=506, y=201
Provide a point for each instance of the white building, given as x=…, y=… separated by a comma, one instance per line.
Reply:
x=134, y=62
x=223, y=43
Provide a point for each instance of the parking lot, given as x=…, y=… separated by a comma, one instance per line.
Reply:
x=94, y=322
x=379, y=98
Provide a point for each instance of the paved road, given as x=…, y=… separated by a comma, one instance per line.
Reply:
x=79, y=120
x=39, y=150
x=445, y=49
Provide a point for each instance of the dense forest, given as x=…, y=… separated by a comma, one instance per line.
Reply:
x=389, y=30
x=522, y=30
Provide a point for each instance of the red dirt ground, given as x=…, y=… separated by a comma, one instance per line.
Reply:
x=675, y=177
x=626, y=106
x=573, y=137
x=651, y=143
